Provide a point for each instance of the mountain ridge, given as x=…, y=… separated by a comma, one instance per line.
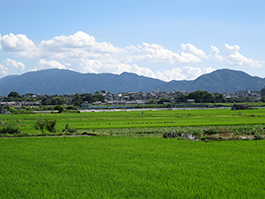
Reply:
x=62, y=81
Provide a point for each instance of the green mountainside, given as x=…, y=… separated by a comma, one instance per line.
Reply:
x=56, y=81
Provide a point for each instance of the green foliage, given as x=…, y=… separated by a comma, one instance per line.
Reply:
x=151, y=101
x=50, y=125
x=200, y=96
x=13, y=94
x=69, y=129
x=9, y=130
x=71, y=107
x=163, y=100
x=59, y=108
x=40, y=124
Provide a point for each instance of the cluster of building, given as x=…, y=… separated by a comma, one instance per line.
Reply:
x=129, y=98
x=246, y=95
x=137, y=97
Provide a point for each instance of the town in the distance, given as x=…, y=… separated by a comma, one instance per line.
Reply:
x=104, y=99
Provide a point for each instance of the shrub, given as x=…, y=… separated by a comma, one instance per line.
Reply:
x=71, y=107
x=40, y=124
x=69, y=129
x=59, y=108
x=9, y=130
x=50, y=125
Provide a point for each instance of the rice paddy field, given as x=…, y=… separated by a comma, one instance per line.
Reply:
x=137, y=119
x=126, y=165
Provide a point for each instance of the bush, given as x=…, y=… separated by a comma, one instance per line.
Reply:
x=59, y=108
x=40, y=124
x=9, y=130
x=71, y=107
x=69, y=130
x=50, y=125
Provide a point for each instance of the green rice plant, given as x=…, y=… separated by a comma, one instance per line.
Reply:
x=130, y=167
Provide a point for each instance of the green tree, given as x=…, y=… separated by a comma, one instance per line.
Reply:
x=59, y=108
x=263, y=99
x=163, y=99
x=13, y=94
x=151, y=101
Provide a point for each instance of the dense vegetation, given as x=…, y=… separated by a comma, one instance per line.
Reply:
x=140, y=122
x=123, y=167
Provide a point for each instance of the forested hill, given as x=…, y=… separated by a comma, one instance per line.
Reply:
x=56, y=81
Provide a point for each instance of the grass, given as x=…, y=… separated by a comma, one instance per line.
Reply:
x=124, y=167
x=138, y=119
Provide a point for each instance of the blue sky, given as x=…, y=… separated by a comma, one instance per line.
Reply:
x=168, y=40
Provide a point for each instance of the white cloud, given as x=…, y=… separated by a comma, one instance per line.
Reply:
x=80, y=40
x=233, y=57
x=90, y=66
x=157, y=53
x=191, y=49
x=43, y=64
x=216, y=53
x=173, y=74
x=82, y=52
x=18, y=44
x=192, y=72
x=208, y=70
x=142, y=71
x=3, y=69
x=14, y=64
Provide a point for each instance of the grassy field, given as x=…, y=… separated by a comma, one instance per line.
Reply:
x=138, y=119
x=124, y=167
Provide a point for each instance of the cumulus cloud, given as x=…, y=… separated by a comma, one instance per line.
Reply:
x=3, y=69
x=14, y=64
x=233, y=57
x=216, y=53
x=157, y=53
x=191, y=49
x=192, y=72
x=18, y=44
x=208, y=70
x=80, y=40
x=83, y=52
x=43, y=64
x=173, y=74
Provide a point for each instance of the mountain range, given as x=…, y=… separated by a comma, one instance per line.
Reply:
x=60, y=81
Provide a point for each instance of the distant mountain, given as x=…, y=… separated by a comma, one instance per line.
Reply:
x=56, y=81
